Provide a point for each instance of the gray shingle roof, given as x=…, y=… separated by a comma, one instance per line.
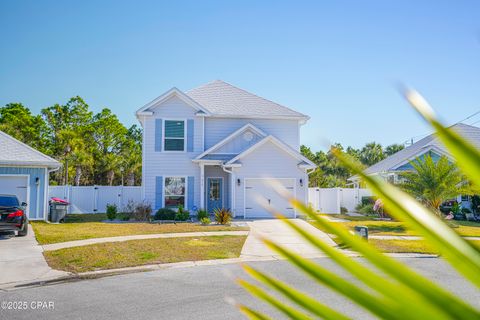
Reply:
x=17, y=153
x=223, y=99
x=218, y=156
x=471, y=133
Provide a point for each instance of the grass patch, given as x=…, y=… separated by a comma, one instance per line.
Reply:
x=141, y=252
x=395, y=228
x=79, y=218
x=53, y=233
x=402, y=246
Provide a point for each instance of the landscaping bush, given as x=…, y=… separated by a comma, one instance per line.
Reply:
x=223, y=216
x=368, y=200
x=343, y=210
x=205, y=221
x=466, y=210
x=202, y=213
x=111, y=211
x=182, y=214
x=165, y=214
x=142, y=212
x=366, y=209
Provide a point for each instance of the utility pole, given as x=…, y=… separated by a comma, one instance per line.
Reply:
x=67, y=152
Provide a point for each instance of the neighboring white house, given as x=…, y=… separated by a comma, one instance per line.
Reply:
x=24, y=172
x=391, y=167
x=218, y=146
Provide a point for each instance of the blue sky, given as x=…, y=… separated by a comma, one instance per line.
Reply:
x=337, y=61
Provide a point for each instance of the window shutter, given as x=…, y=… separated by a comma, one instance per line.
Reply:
x=190, y=194
x=190, y=127
x=158, y=192
x=158, y=135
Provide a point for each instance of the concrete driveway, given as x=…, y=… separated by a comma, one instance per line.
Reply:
x=21, y=260
x=278, y=231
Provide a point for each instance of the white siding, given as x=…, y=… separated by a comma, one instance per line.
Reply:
x=286, y=131
x=171, y=163
x=268, y=161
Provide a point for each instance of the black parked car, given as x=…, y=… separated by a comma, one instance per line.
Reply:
x=12, y=215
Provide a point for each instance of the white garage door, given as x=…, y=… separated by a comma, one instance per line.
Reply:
x=17, y=185
x=259, y=193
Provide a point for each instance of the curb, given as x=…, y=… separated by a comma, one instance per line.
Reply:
x=184, y=264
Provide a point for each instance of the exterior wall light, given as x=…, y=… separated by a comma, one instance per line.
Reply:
x=238, y=182
x=301, y=182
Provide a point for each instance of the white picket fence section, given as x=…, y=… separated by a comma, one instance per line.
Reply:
x=329, y=200
x=94, y=199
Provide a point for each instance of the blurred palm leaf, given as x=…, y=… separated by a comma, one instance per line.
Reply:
x=403, y=294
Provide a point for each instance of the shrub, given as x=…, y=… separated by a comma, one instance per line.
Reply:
x=366, y=209
x=205, y=221
x=111, y=211
x=182, y=214
x=123, y=216
x=142, y=211
x=223, y=216
x=343, y=210
x=165, y=214
x=202, y=213
x=466, y=210
x=368, y=200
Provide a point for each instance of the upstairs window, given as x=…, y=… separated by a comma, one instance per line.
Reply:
x=174, y=135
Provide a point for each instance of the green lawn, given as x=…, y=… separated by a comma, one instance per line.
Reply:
x=77, y=229
x=394, y=228
x=408, y=246
x=142, y=252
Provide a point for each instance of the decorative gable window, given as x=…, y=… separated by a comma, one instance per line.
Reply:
x=174, y=191
x=174, y=138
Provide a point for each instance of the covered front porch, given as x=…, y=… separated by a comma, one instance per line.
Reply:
x=216, y=186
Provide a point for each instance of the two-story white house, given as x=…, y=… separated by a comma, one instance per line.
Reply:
x=218, y=146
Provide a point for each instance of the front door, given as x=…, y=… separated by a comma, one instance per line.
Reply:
x=214, y=193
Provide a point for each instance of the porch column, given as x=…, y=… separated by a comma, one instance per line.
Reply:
x=232, y=192
x=202, y=185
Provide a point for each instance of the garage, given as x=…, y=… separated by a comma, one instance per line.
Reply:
x=17, y=185
x=260, y=196
x=24, y=172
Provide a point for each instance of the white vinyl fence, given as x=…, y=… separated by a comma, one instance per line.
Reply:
x=329, y=200
x=94, y=199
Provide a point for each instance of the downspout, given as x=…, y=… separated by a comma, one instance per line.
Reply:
x=232, y=187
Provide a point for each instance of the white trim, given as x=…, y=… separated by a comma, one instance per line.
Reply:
x=28, y=191
x=186, y=188
x=202, y=185
x=45, y=194
x=277, y=142
x=231, y=136
x=208, y=188
x=245, y=192
x=184, y=120
x=203, y=134
x=167, y=95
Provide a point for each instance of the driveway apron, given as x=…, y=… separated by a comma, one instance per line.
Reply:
x=279, y=232
x=21, y=260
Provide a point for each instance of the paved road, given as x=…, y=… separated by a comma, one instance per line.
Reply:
x=191, y=293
